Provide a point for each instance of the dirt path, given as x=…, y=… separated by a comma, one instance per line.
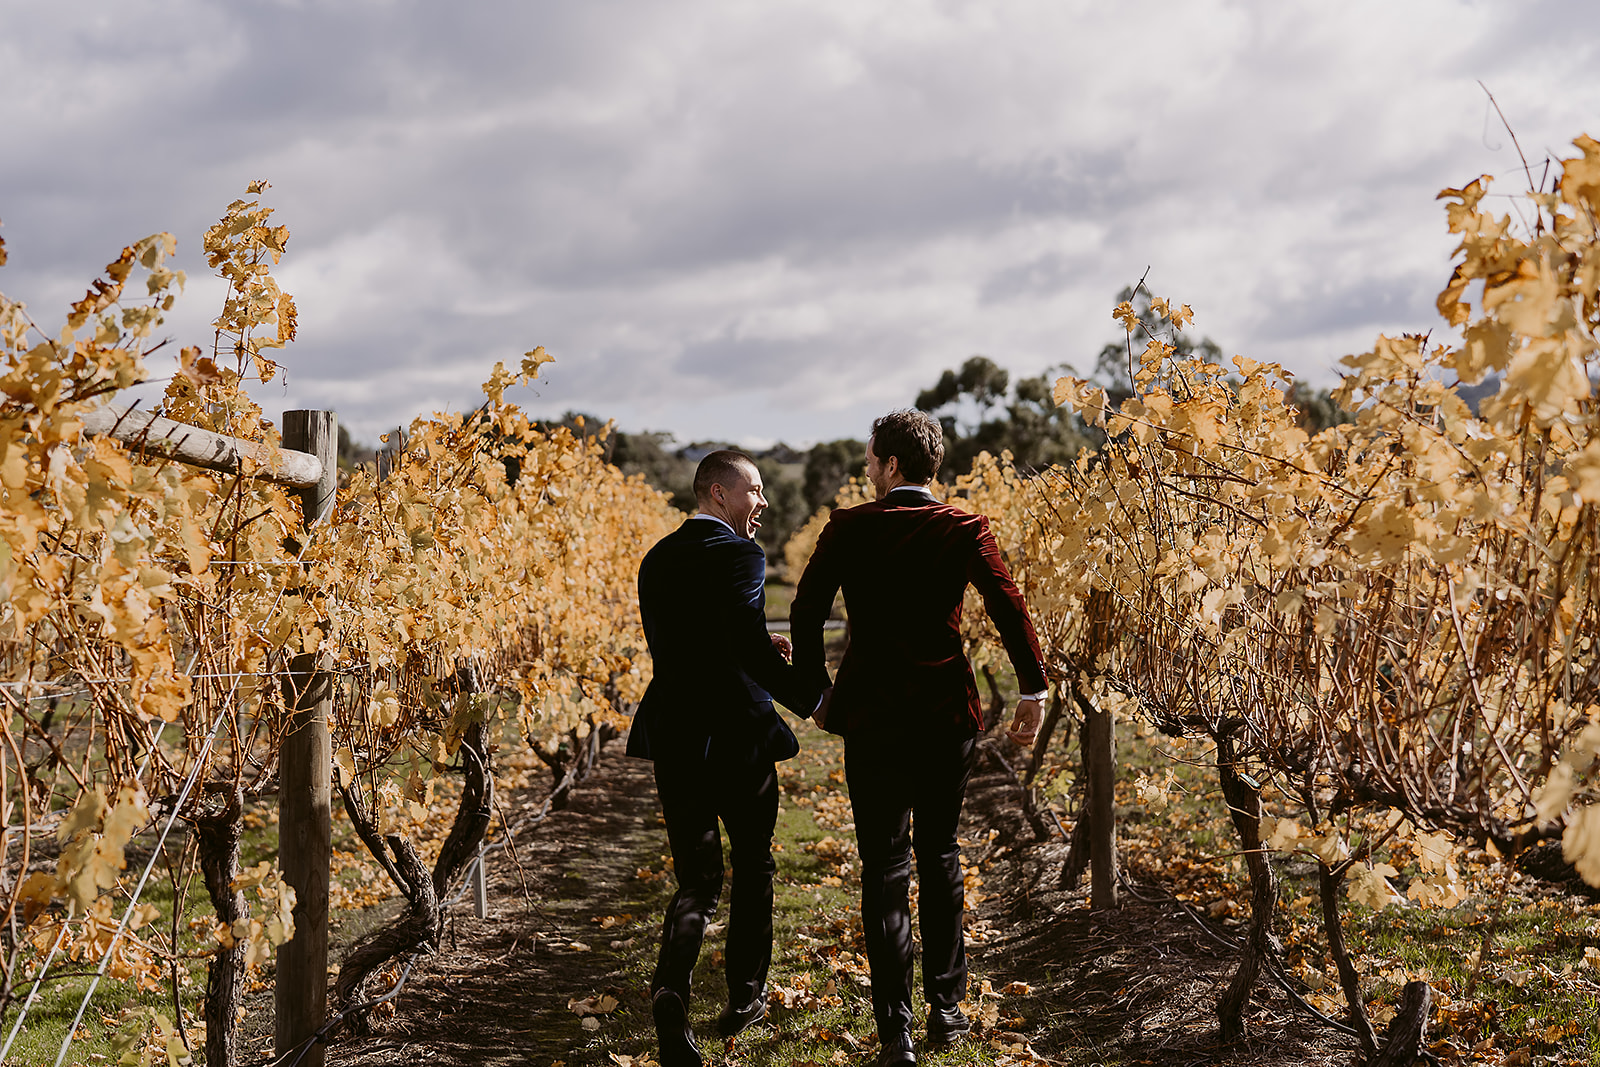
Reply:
x=498, y=993
x=577, y=923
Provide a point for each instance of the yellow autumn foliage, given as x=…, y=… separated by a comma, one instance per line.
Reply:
x=1398, y=612
x=149, y=611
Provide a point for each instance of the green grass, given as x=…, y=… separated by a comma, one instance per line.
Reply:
x=1536, y=990
x=779, y=596
x=118, y=1004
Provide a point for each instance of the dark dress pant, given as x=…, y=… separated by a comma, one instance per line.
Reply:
x=694, y=797
x=906, y=790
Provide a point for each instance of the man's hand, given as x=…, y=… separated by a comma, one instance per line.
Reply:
x=820, y=716
x=784, y=646
x=1025, y=723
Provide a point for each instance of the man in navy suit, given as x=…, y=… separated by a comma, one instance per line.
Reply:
x=907, y=705
x=708, y=722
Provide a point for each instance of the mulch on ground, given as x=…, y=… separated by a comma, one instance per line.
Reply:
x=498, y=993
x=1134, y=985
x=1138, y=984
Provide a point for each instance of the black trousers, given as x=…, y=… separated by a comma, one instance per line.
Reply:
x=744, y=797
x=906, y=791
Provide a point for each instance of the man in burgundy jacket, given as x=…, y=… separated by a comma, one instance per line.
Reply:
x=907, y=704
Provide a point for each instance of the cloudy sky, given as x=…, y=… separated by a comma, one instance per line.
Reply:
x=772, y=220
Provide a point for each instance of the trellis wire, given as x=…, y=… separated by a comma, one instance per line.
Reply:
x=50, y=957
x=473, y=868
x=38, y=980
x=122, y=927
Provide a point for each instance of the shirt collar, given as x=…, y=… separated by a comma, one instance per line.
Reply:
x=713, y=518
x=920, y=490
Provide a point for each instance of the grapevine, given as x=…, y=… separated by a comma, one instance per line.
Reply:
x=150, y=613
x=1385, y=631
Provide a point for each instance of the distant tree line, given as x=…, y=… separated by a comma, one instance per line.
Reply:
x=796, y=482
x=981, y=411
x=979, y=406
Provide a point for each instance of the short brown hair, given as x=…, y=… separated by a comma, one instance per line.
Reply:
x=914, y=438
x=718, y=468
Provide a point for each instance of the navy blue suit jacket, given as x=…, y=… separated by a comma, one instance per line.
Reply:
x=703, y=598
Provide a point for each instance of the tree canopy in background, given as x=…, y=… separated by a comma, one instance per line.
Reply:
x=981, y=413
x=978, y=404
x=1113, y=367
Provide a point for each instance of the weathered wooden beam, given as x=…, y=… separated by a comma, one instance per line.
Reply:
x=203, y=448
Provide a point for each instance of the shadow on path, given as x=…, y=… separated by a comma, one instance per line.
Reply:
x=498, y=993
x=1134, y=986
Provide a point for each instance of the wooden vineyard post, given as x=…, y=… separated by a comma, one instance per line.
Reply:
x=306, y=784
x=1099, y=745
x=1099, y=742
x=480, y=884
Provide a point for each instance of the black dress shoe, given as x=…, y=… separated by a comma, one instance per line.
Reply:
x=896, y=1052
x=946, y=1026
x=672, y=1031
x=735, y=1020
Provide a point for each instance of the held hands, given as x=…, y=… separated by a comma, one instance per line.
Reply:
x=785, y=649
x=1025, y=723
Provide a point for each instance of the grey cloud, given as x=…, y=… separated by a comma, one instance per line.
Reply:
x=747, y=364
x=660, y=193
x=1041, y=275
x=1341, y=303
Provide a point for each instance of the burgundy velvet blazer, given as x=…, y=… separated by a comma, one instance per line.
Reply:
x=904, y=563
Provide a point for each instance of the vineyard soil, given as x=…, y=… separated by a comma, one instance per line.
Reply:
x=576, y=924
